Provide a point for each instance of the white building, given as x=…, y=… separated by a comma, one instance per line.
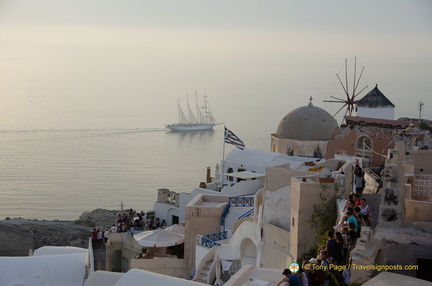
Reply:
x=375, y=105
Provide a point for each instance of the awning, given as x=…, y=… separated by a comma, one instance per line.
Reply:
x=159, y=238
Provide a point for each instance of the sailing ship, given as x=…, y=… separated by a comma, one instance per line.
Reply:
x=204, y=119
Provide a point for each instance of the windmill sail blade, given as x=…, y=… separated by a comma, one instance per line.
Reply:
x=346, y=92
x=337, y=98
x=337, y=101
x=340, y=109
x=361, y=91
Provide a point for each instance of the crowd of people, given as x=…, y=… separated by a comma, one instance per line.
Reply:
x=126, y=223
x=331, y=266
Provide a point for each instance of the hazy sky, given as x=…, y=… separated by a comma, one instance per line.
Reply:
x=77, y=64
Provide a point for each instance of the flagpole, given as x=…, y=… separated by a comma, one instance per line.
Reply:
x=223, y=159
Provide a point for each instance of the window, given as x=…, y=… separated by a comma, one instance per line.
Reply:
x=230, y=170
x=364, y=142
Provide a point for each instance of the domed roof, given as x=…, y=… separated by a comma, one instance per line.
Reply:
x=307, y=123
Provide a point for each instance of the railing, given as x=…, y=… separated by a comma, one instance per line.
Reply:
x=239, y=201
x=209, y=240
x=371, y=173
x=168, y=197
x=247, y=214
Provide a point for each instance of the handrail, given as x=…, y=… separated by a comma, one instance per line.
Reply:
x=370, y=173
x=241, y=201
x=209, y=240
x=237, y=201
x=247, y=214
x=223, y=215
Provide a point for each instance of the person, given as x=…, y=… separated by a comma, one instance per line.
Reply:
x=152, y=223
x=352, y=238
x=357, y=201
x=365, y=211
x=352, y=219
x=380, y=181
x=343, y=220
x=339, y=247
x=289, y=277
x=105, y=234
x=163, y=224
x=132, y=228
x=302, y=275
x=349, y=202
x=94, y=234
x=331, y=246
x=359, y=180
x=325, y=263
x=358, y=216
x=157, y=223
x=345, y=243
x=113, y=228
x=100, y=237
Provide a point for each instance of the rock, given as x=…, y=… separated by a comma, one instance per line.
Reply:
x=98, y=218
x=18, y=236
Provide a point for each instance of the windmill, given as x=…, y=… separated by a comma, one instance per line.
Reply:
x=350, y=101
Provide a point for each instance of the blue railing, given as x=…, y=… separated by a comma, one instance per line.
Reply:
x=247, y=214
x=239, y=201
x=224, y=214
x=209, y=240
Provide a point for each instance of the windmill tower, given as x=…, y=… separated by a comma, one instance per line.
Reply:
x=349, y=103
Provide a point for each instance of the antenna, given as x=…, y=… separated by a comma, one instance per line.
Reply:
x=420, y=110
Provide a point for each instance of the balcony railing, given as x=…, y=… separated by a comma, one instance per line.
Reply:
x=210, y=240
x=240, y=201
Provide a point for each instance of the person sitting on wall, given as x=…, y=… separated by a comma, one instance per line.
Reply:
x=289, y=277
x=349, y=202
x=357, y=201
x=352, y=219
x=358, y=216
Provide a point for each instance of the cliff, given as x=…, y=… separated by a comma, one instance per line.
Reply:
x=18, y=235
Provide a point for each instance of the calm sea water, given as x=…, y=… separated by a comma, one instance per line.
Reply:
x=58, y=174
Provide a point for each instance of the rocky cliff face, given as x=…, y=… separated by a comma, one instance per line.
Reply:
x=18, y=236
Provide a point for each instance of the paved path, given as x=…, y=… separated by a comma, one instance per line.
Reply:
x=99, y=258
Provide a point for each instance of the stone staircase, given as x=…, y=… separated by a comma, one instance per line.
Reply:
x=202, y=276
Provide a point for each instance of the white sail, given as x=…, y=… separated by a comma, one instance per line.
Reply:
x=201, y=117
x=191, y=116
x=182, y=116
x=211, y=118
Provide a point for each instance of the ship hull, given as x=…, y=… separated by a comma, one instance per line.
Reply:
x=189, y=127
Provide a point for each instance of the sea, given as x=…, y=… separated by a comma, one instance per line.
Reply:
x=72, y=141
x=57, y=174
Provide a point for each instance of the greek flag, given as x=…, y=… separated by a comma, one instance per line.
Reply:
x=231, y=138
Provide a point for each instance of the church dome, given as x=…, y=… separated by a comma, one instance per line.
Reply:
x=307, y=123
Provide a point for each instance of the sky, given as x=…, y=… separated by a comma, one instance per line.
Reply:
x=125, y=64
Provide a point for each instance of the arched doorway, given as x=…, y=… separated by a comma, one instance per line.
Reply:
x=248, y=252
